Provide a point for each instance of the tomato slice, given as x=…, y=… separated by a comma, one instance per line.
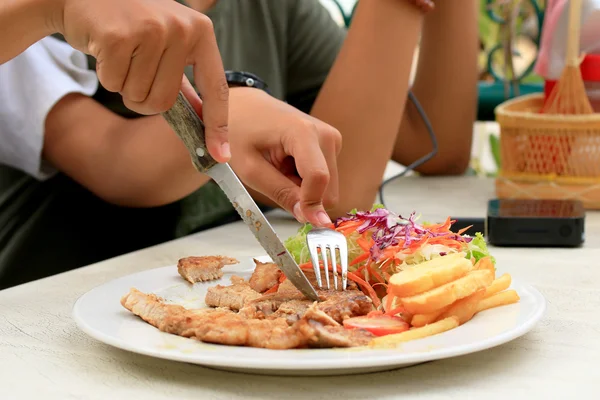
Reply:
x=379, y=325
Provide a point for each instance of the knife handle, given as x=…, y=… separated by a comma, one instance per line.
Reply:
x=189, y=127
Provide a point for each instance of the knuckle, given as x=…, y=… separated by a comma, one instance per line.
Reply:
x=112, y=39
x=320, y=176
x=159, y=103
x=284, y=196
x=153, y=31
x=204, y=22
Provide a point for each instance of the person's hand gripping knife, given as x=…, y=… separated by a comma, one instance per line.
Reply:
x=141, y=48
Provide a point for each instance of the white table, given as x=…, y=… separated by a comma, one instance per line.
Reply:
x=44, y=355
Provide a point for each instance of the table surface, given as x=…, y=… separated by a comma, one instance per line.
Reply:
x=42, y=352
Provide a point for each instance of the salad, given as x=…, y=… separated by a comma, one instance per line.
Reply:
x=382, y=243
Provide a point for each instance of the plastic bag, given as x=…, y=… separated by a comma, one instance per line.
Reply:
x=553, y=46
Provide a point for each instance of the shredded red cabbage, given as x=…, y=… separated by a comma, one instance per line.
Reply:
x=390, y=229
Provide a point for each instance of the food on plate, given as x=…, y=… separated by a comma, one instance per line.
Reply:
x=498, y=285
x=406, y=281
x=202, y=269
x=429, y=275
x=448, y=293
x=265, y=276
x=465, y=308
x=416, y=333
x=423, y=273
x=498, y=299
x=234, y=296
x=260, y=323
x=379, y=325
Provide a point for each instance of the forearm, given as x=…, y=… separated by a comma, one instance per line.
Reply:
x=136, y=163
x=446, y=87
x=24, y=22
x=365, y=93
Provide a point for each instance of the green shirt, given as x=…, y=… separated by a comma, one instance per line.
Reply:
x=53, y=226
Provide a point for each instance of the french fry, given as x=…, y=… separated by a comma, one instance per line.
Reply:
x=499, y=299
x=416, y=333
x=448, y=293
x=429, y=275
x=425, y=319
x=464, y=309
x=498, y=285
x=486, y=263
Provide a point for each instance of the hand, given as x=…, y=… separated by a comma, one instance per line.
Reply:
x=142, y=48
x=287, y=155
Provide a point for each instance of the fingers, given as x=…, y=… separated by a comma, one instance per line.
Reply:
x=166, y=85
x=209, y=77
x=144, y=66
x=314, y=171
x=263, y=177
x=113, y=58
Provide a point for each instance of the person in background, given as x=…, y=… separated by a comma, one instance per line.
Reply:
x=357, y=80
x=318, y=76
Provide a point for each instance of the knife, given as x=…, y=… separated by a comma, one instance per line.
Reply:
x=187, y=125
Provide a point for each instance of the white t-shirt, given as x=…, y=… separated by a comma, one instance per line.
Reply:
x=30, y=85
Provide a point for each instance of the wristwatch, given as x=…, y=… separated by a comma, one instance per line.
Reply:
x=245, y=79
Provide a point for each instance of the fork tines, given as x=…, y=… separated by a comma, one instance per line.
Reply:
x=330, y=245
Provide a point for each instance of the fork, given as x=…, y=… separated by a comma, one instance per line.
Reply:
x=324, y=239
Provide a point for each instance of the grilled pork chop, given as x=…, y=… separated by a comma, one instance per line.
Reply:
x=265, y=276
x=229, y=328
x=202, y=269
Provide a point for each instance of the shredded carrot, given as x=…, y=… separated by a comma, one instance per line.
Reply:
x=463, y=230
x=365, y=285
x=365, y=243
x=361, y=258
x=273, y=289
x=375, y=274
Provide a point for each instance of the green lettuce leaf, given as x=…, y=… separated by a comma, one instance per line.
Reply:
x=478, y=249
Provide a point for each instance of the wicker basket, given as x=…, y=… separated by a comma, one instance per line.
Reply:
x=548, y=156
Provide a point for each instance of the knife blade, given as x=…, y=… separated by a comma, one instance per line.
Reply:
x=187, y=125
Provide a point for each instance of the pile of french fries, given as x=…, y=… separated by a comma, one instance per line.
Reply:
x=443, y=293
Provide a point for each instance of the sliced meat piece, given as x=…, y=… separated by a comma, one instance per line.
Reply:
x=328, y=336
x=323, y=331
x=265, y=276
x=213, y=325
x=202, y=269
x=340, y=305
x=287, y=287
x=236, y=279
x=170, y=318
x=267, y=304
x=292, y=305
x=292, y=310
x=274, y=334
x=233, y=297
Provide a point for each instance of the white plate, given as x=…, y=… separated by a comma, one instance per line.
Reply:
x=100, y=314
